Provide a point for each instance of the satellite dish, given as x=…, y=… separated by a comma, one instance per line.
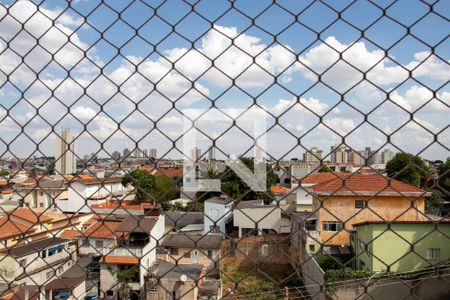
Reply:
x=183, y=278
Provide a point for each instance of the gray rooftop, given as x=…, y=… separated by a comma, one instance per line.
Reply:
x=252, y=204
x=220, y=200
x=165, y=270
x=182, y=240
x=25, y=249
x=180, y=219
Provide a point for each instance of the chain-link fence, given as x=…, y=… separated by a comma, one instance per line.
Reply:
x=224, y=149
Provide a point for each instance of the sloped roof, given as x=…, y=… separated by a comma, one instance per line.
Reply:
x=137, y=224
x=9, y=228
x=366, y=184
x=29, y=215
x=177, y=240
x=101, y=230
x=20, y=250
x=278, y=189
x=321, y=177
x=180, y=219
x=95, y=180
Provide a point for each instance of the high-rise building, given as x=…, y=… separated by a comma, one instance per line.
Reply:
x=386, y=156
x=212, y=153
x=366, y=156
x=126, y=152
x=312, y=155
x=65, y=162
x=196, y=153
x=153, y=153
x=115, y=155
x=137, y=153
x=337, y=155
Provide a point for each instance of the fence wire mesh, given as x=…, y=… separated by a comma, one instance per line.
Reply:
x=224, y=149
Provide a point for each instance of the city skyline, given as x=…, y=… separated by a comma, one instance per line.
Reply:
x=307, y=109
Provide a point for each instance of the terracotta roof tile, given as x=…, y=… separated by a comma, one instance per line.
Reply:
x=119, y=260
x=9, y=228
x=29, y=215
x=321, y=177
x=101, y=230
x=168, y=171
x=278, y=189
x=366, y=184
x=70, y=234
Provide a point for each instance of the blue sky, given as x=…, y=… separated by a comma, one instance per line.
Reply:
x=291, y=41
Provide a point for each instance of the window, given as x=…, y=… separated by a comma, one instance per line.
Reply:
x=23, y=262
x=331, y=226
x=41, y=204
x=49, y=274
x=209, y=253
x=187, y=255
x=360, y=204
x=44, y=253
x=213, y=213
x=98, y=244
x=312, y=248
x=60, y=270
x=433, y=253
x=214, y=229
x=173, y=251
x=109, y=293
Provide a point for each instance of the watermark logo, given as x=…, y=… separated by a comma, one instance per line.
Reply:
x=252, y=120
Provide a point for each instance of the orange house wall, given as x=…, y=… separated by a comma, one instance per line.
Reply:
x=342, y=208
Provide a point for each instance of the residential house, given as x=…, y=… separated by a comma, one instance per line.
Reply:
x=41, y=195
x=174, y=281
x=253, y=217
x=65, y=287
x=304, y=199
x=218, y=213
x=135, y=249
x=85, y=192
x=36, y=262
x=386, y=246
x=12, y=232
x=176, y=220
x=191, y=249
x=100, y=237
x=125, y=207
x=354, y=198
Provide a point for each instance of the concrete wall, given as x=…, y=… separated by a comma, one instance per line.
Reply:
x=185, y=290
x=264, y=217
x=223, y=213
x=201, y=257
x=149, y=251
x=393, y=247
x=343, y=207
x=40, y=199
x=304, y=199
x=90, y=247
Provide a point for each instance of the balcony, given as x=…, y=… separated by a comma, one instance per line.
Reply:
x=123, y=251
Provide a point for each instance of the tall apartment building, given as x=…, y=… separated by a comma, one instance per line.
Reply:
x=196, y=153
x=153, y=153
x=366, y=156
x=338, y=154
x=126, y=152
x=313, y=155
x=65, y=161
x=386, y=156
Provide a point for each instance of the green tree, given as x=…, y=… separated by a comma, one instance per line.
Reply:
x=409, y=169
x=124, y=276
x=143, y=182
x=444, y=177
x=4, y=173
x=32, y=173
x=325, y=169
x=236, y=188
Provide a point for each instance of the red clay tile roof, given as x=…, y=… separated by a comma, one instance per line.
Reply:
x=3, y=182
x=7, y=191
x=9, y=228
x=278, y=189
x=321, y=177
x=366, y=184
x=102, y=230
x=112, y=204
x=70, y=234
x=119, y=260
x=29, y=215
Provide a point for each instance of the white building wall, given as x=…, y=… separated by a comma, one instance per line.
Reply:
x=267, y=218
x=149, y=250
